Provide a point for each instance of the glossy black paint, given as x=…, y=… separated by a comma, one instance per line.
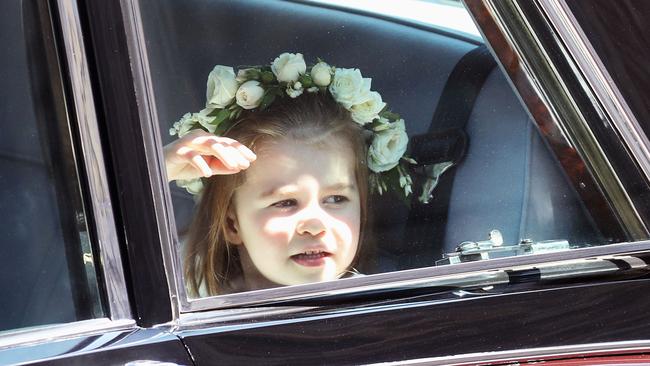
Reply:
x=428, y=327
x=118, y=113
x=113, y=348
x=624, y=50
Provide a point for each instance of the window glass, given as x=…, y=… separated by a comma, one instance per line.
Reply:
x=300, y=213
x=47, y=273
x=617, y=30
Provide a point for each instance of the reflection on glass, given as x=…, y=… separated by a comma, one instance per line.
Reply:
x=48, y=272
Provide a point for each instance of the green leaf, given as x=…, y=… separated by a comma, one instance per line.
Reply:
x=253, y=74
x=221, y=116
x=267, y=99
x=389, y=115
x=267, y=77
x=305, y=80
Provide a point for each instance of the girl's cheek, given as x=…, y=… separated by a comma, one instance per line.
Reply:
x=278, y=227
x=348, y=226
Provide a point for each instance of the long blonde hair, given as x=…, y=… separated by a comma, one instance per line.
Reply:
x=210, y=261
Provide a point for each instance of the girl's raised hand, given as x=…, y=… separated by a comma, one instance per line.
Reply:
x=202, y=154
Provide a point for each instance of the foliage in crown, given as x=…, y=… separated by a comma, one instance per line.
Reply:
x=257, y=87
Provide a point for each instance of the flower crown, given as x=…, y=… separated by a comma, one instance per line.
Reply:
x=256, y=87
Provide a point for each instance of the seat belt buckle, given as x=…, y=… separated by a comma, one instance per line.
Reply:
x=433, y=172
x=435, y=153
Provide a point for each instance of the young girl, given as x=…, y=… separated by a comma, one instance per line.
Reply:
x=281, y=161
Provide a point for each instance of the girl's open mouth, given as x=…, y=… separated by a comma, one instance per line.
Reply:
x=311, y=258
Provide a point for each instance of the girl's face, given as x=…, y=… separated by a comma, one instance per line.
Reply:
x=297, y=215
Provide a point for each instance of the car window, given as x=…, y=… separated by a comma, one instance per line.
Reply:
x=484, y=182
x=48, y=272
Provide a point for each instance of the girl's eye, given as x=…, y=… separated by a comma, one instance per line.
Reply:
x=285, y=203
x=336, y=199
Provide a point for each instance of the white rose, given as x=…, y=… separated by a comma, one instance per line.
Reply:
x=250, y=94
x=204, y=120
x=222, y=87
x=387, y=147
x=368, y=110
x=192, y=186
x=348, y=87
x=288, y=66
x=184, y=125
x=321, y=74
x=189, y=121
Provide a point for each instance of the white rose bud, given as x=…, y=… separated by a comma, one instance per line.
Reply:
x=388, y=147
x=321, y=74
x=369, y=110
x=349, y=88
x=250, y=94
x=222, y=87
x=289, y=66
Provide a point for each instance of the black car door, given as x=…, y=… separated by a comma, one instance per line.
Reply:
x=65, y=293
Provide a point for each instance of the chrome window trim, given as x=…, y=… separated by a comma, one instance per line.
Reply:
x=153, y=148
x=471, y=273
x=599, y=79
x=48, y=333
x=110, y=259
x=532, y=354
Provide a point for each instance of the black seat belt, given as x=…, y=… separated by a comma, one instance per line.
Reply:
x=437, y=153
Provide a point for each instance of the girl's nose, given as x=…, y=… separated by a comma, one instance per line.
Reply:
x=311, y=226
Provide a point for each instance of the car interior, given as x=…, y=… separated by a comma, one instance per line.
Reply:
x=507, y=179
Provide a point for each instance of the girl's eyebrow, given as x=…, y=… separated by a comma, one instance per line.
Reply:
x=287, y=189
x=278, y=190
x=340, y=187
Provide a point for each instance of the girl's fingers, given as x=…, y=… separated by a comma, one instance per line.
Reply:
x=238, y=157
x=208, y=154
x=196, y=160
x=246, y=152
x=204, y=142
x=226, y=156
x=200, y=163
